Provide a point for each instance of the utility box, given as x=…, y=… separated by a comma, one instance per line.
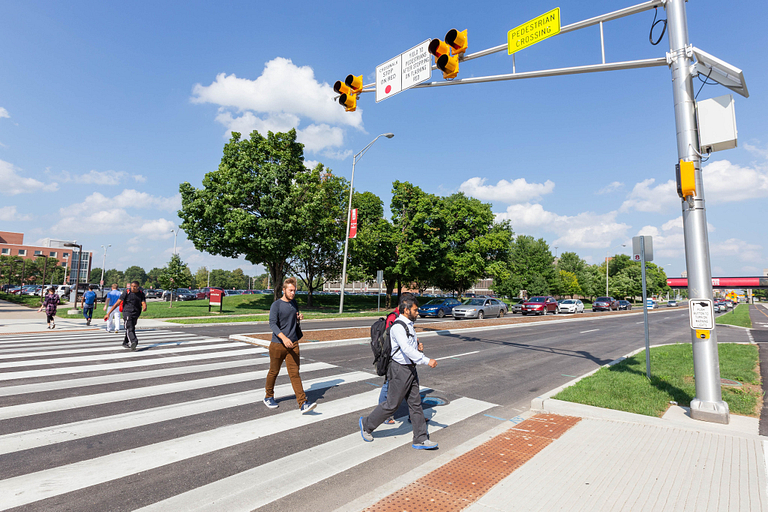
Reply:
x=717, y=124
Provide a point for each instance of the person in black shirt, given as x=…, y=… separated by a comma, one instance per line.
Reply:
x=134, y=302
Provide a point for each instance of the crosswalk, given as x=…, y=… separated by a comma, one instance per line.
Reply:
x=176, y=425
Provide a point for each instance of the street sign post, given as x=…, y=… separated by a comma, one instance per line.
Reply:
x=216, y=298
x=379, y=279
x=404, y=71
x=640, y=249
x=534, y=31
x=648, y=248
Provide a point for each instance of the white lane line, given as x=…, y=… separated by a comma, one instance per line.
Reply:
x=120, y=353
x=457, y=355
x=259, y=486
x=62, y=404
x=48, y=372
x=92, y=340
x=591, y=330
x=115, y=345
x=89, y=335
x=32, y=487
x=56, y=385
x=47, y=436
x=86, y=344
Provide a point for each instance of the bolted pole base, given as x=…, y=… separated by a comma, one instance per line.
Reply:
x=713, y=412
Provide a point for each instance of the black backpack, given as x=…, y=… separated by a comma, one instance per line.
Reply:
x=382, y=345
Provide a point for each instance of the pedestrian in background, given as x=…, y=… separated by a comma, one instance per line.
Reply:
x=134, y=302
x=50, y=303
x=284, y=318
x=113, y=319
x=87, y=303
x=403, y=379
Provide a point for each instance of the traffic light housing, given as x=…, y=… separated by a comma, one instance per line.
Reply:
x=447, y=52
x=348, y=91
x=686, y=180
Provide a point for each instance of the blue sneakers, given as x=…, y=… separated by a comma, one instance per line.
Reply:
x=270, y=402
x=367, y=436
x=306, y=407
x=425, y=445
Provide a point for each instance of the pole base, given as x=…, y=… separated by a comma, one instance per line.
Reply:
x=713, y=412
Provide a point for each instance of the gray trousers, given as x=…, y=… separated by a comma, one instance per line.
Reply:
x=403, y=384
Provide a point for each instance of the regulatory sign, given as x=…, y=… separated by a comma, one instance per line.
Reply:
x=534, y=31
x=648, y=245
x=379, y=276
x=404, y=71
x=701, y=313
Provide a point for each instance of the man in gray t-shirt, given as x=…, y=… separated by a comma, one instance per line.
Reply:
x=284, y=318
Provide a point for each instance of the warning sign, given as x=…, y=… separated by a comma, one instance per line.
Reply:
x=701, y=313
x=404, y=71
x=534, y=31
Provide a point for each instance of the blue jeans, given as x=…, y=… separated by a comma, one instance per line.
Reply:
x=88, y=312
x=383, y=394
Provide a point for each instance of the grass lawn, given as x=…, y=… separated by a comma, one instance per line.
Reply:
x=26, y=300
x=624, y=386
x=323, y=305
x=737, y=316
x=265, y=317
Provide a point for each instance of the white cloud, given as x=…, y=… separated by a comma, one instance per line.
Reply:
x=277, y=101
x=735, y=248
x=13, y=183
x=756, y=150
x=611, y=187
x=100, y=177
x=726, y=182
x=4, y=113
x=156, y=229
x=585, y=230
x=510, y=192
x=128, y=198
x=310, y=164
x=9, y=213
x=648, y=198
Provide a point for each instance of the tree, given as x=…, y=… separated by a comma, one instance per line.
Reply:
x=135, y=273
x=471, y=242
x=248, y=206
x=201, y=277
x=113, y=276
x=175, y=275
x=153, y=277
x=569, y=283
x=531, y=266
x=318, y=255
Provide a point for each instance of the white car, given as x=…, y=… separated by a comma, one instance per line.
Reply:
x=571, y=306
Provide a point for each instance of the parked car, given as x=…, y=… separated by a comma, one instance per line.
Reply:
x=651, y=304
x=232, y=292
x=152, y=293
x=63, y=291
x=31, y=289
x=540, y=305
x=605, y=304
x=206, y=292
x=571, y=306
x=672, y=304
x=517, y=306
x=438, y=307
x=479, y=307
x=179, y=294
x=625, y=305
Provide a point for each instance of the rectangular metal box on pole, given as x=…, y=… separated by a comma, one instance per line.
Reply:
x=717, y=124
x=637, y=251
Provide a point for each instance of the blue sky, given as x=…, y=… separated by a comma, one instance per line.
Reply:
x=105, y=108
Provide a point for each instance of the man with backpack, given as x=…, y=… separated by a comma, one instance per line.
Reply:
x=402, y=378
x=87, y=303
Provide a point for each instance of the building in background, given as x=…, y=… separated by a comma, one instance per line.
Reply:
x=12, y=244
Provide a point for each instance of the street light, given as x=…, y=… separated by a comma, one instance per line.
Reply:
x=175, y=234
x=349, y=216
x=606, y=268
x=104, y=263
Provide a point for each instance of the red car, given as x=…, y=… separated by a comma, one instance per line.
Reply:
x=205, y=293
x=539, y=305
x=605, y=304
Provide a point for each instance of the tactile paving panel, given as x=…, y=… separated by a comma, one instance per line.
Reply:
x=462, y=481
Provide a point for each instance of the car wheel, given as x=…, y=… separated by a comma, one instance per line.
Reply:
x=480, y=315
x=556, y=311
x=502, y=313
x=524, y=313
x=422, y=316
x=440, y=313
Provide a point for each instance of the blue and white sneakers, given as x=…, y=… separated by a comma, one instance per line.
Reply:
x=425, y=445
x=367, y=436
x=306, y=407
x=270, y=402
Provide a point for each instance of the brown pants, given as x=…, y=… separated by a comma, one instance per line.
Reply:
x=277, y=354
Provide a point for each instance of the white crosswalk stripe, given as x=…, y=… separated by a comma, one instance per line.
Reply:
x=86, y=416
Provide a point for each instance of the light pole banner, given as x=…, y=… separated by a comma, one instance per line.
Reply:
x=353, y=224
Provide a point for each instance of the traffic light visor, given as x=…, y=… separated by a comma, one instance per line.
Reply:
x=340, y=87
x=457, y=40
x=354, y=82
x=349, y=101
x=438, y=48
x=448, y=64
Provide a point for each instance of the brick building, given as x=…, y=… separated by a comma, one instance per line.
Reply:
x=12, y=244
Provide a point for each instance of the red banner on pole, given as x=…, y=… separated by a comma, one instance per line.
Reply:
x=353, y=224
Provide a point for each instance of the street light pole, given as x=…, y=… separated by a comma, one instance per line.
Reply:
x=349, y=217
x=104, y=263
x=175, y=234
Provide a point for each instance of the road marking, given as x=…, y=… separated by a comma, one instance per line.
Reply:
x=70, y=348
x=62, y=404
x=591, y=330
x=457, y=355
x=260, y=486
x=46, y=436
x=564, y=375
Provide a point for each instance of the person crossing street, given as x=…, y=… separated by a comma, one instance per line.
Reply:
x=134, y=302
x=114, y=318
x=87, y=303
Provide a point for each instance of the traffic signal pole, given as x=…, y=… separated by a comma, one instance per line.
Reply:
x=708, y=405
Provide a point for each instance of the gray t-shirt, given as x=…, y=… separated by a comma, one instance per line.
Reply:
x=282, y=318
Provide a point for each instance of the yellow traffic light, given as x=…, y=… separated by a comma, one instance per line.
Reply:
x=341, y=88
x=349, y=90
x=457, y=40
x=686, y=180
x=449, y=65
x=349, y=101
x=355, y=83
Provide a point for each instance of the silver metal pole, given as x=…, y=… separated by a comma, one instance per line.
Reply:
x=606, y=273
x=602, y=41
x=708, y=404
x=645, y=310
x=346, y=238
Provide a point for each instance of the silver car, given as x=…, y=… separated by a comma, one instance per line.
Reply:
x=480, y=308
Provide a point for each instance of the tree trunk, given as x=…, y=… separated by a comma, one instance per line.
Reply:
x=390, y=288
x=276, y=270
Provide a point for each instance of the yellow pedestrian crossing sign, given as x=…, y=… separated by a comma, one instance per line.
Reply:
x=732, y=296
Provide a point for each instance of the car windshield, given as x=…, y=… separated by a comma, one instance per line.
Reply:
x=474, y=302
x=603, y=299
x=537, y=299
x=569, y=301
x=434, y=302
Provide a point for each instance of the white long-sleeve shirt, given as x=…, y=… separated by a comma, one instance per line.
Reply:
x=407, y=341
